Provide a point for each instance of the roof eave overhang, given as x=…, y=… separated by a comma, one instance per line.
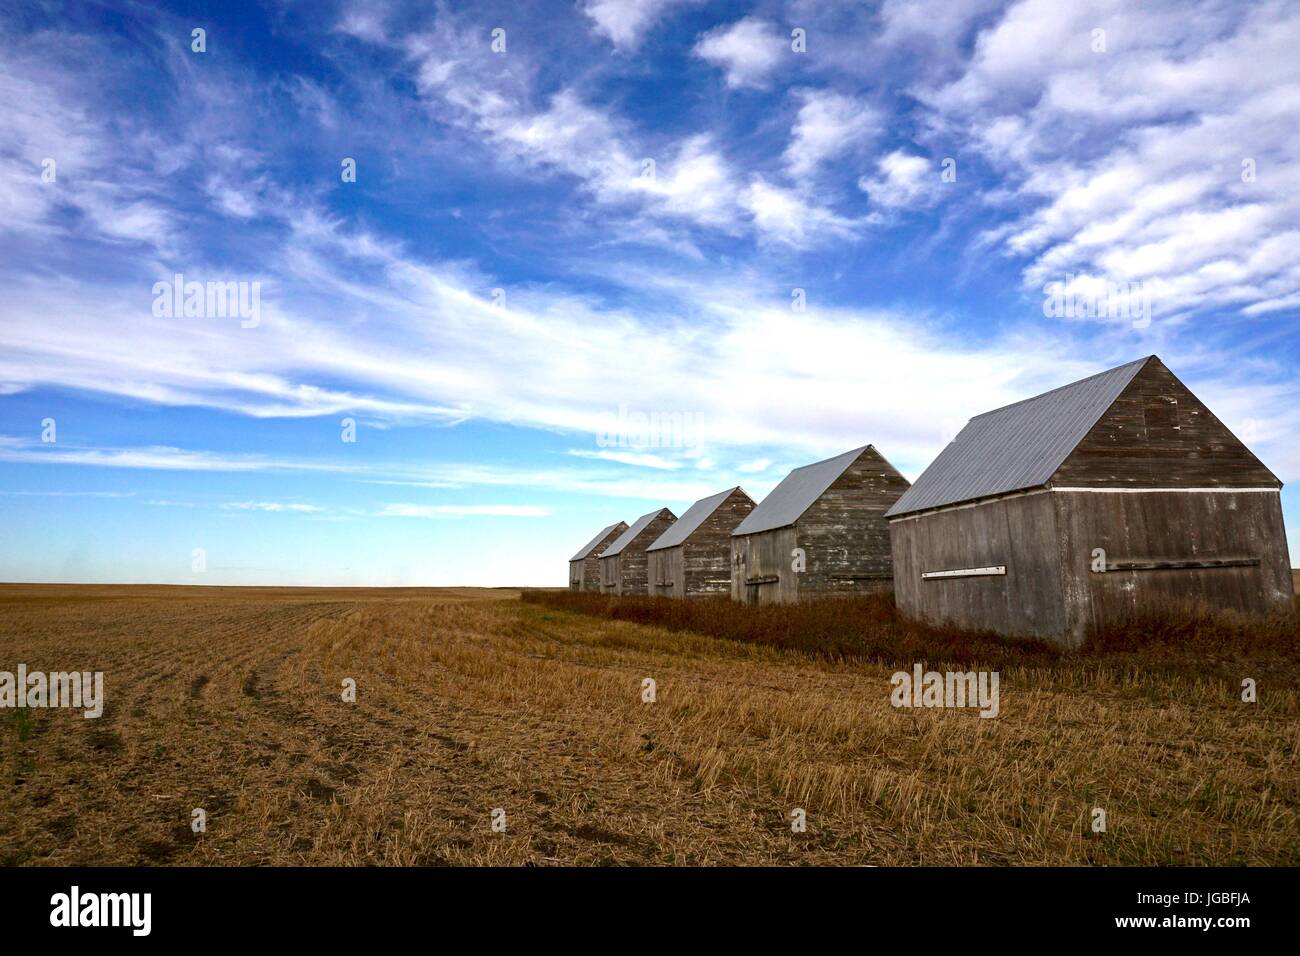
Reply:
x=1049, y=486
x=970, y=502
x=746, y=534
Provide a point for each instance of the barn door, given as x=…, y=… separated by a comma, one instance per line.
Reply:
x=753, y=586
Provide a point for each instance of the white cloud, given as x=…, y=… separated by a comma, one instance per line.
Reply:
x=625, y=22
x=155, y=457
x=639, y=459
x=562, y=133
x=695, y=184
x=1131, y=160
x=902, y=179
x=45, y=121
x=275, y=507
x=365, y=20
x=434, y=347
x=585, y=481
x=789, y=216
x=828, y=125
x=689, y=183
x=937, y=24
x=747, y=50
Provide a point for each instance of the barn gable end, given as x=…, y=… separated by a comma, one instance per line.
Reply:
x=821, y=532
x=584, y=567
x=693, y=557
x=623, y=565
x=1157, y=434
x=844, y=532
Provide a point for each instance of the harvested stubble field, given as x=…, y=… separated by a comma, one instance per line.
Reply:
x=468, y=700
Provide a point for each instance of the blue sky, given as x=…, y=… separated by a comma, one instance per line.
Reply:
x=629, y=213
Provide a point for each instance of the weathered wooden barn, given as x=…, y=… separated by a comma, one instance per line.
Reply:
x=623, y=569
x=821, y=532
x=693, y=557
x=1119, y=493
x=584, y=567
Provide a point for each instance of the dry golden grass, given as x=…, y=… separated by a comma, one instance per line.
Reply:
x=468, y=700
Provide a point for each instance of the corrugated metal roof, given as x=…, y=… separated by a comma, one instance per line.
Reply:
x=591, y=545
x=796, y=493
x=628, y=536
x=1016, y=447
x=695, y=515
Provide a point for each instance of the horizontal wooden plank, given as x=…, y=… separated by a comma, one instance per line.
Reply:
x=765, y=579
x=1182, y=565
x=965, y=573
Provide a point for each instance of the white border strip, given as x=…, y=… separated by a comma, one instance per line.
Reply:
x=965, y=573
x=980, y=502
x=1159, y=491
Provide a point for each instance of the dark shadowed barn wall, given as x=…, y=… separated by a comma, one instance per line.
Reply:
x=1018, y=532
x=1222, y=548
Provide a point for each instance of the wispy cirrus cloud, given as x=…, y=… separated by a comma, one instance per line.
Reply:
x=665, y=287
x=406, y=510
x=69, y=494
x=640, y=459
x=273, y=507
x=1148, y=142
x=612, y=481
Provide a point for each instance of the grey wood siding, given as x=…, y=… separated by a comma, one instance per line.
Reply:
x=591, y=573
x=761, y=567
x=705, y=562
x=1171, y=528
x=609, y=574
x=666, y=572
x=1017, y=532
